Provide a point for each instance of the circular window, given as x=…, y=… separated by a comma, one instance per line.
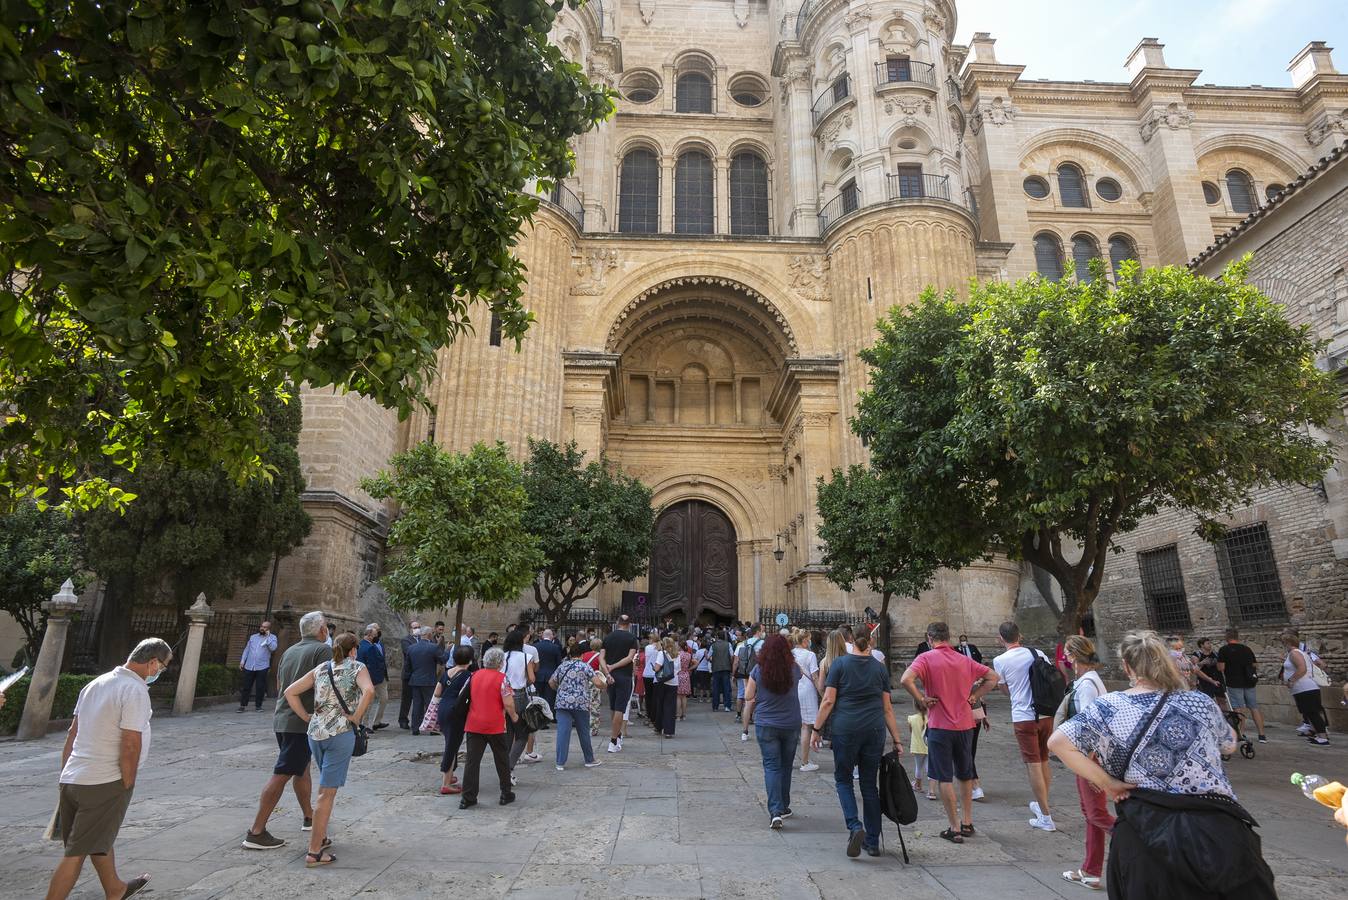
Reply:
x=908, y=144
x=1211, y=194
x=1273, y=190
x=1036, y=187
x=1108, y=189
x=748, y=90
x=641, y=87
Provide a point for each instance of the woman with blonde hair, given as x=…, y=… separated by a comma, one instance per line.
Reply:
x=1156, y=751
x=1085, y=690
x=808, y=664
x=1298, y=675
x=667, y=690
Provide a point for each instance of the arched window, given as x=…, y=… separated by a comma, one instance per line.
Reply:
x=1241, y=191
x=692, y=93
x=1072, y=186
x=694, y=194
x=1211, y=193
x=1084, y=249
x=639, y=193
x=1048, y=256
x=748, y=194
x=1121, y=249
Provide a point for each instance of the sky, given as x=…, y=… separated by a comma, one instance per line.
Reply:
x=1234, y=42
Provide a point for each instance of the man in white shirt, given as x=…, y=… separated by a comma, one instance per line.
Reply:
x=108, y=741
x=1032, y=730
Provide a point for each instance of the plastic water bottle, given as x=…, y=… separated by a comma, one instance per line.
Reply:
x=1321, y=789
x=1308, y=784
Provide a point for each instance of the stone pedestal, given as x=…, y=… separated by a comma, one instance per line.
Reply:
x=199, y=614
x=47, y=672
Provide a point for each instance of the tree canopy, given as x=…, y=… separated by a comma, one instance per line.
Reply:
x=39, y=549
x=459, y=530
x=593, y=524
x=202, y=202
x=1043, y=420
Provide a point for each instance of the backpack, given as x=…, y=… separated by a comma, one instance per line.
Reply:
x=1047, y=686
x=748, y=657
x=897, y=801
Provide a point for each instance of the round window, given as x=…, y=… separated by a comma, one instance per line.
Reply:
x=1108, y=189
x=1036, y=187
x=1273, y=190
x=641, y=87
x=748, y=90
x=908, y=144
x=1211, y=194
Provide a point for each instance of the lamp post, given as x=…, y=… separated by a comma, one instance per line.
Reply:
x=778, y=553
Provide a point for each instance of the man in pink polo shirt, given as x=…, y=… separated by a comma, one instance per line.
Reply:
x=954, y=684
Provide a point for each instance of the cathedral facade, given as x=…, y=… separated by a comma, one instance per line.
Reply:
x=777, y=175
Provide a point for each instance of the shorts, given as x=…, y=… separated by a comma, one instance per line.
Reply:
x=950, y=754
x=1032, y=738
x=1242, y=697
x=619, y=693
x=294, y=756
x=739, y=687
x=90, y=815
x=332, y=757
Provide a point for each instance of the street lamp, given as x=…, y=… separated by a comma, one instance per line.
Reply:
x=778, y=553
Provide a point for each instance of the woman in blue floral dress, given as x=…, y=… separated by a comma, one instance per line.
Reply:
x=572, y=682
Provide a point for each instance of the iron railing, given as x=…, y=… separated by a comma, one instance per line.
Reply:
x=566, y=200
x=848, y=201
x=831, y=97
x=803, y=15
x=809, y=619
x=917, y=187
x=895, y=71
x=1249, y=573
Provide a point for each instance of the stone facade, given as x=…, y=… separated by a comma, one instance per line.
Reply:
x=723, y=366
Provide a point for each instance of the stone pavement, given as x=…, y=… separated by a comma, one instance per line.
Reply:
x=679, y=818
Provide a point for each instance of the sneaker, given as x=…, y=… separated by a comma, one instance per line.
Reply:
x=1043, y=823
x=873, y=850
x=263, y=841
x=380, y=725
x=614, y=747
x=308, y=824
x=531, y=757
x=854, y=842
x=1304, y=730
x=786, y=813
x=595, y=764
x=1264, y=740
x=620, y=744
x=739, y=717
x=1318, y=741
x=242, y=708
x=810, y=767
x=977, y=794
x=507, y=798
x=776, y=823
x=561, y=768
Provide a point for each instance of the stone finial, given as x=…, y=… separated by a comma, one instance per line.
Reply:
x=63, y=600
x=1149, y=54
x=984, y=48
x=1313, y=60
x=201, y=610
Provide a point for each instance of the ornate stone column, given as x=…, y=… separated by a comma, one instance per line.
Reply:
x=199, y=613
x=47, y=672
x=592, y=394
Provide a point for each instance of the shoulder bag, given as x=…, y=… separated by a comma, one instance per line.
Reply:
x=362, y=736
x=666, y=671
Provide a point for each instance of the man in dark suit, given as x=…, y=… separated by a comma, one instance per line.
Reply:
x=405, y=704
x=969, y=650
x=549, y=660
x=423, y=659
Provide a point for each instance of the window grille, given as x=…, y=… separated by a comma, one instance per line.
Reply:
x=1072, y=187
x=694, y=194
x=851, y=197
x=639, y=193
x=1121, y=249
x=1048, y=257
x=1250, y=575
x=1163, y=589
x=494, y=332
x=1084, y=249
x=748, y=194
x=842, y=88
x=899, y=68
x=1241, y=189
x=692, y=93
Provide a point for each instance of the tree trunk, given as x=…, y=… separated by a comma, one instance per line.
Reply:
x=458, y=620
x=884, y=627
x=1076, y=602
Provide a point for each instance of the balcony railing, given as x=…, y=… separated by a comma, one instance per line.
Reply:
x=565, y=199
x=803, y=15
x=904, y=186
x=848, y=201
x=833, y=95
x=895, y=71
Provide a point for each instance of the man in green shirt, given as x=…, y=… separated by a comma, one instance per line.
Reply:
x=292, y=762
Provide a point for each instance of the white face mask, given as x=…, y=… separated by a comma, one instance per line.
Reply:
x=155, y=677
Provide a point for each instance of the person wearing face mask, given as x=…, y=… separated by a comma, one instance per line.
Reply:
x=108, y=742
x=370, y=653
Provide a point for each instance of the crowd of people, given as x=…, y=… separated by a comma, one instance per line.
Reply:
x=1156, y=749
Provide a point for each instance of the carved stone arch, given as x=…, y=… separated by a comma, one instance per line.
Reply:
x=1290, y=163
x=698, y=144
x=1131, y=166
x=757, y=316
x=741, y=507
x=750, y=144
x=692, y=60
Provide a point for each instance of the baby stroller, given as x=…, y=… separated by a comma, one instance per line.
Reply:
x=1246, y=745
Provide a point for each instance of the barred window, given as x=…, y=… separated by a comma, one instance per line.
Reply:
x=1250, y=575
x=910, y=181
x=1084, y=249
x=639, y=193
x=494, y=331
x=692, y=93
x=851, y=197
x=1121, y=249
x=694, y=194
x=748, y=194
x=1072, y=186
x=898, y=68
x=1048, y=256
x=1163, y=589
x=1241, y=190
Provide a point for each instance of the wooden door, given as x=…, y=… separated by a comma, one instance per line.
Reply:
x=693, y=567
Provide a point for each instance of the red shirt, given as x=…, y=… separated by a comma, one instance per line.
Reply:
x=486, y=712
x=949, y=677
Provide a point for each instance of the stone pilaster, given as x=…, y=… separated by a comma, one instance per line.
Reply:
x=198, y=615
x=47, y=671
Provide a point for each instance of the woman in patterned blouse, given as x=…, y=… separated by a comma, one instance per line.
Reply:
x=572, y=682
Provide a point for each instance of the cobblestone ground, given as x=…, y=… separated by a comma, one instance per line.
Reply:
x=679, y=818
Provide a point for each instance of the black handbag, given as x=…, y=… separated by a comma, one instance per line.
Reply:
x=666, y=671
x=362, y=733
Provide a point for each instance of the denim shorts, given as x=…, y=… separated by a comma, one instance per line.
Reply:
x=332, y=757
x=1242, y=697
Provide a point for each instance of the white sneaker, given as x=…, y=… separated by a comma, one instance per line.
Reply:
x=810, y=767
x=594, y=764
x=531, y=757
x=1043, y=823
x=614, y=748
x=977, y=794
x=620, y=744
x=1034, y=808
x=776, y=822
x=513, y=780
x=561, y=768
x=744, y=735
x=1305, y=730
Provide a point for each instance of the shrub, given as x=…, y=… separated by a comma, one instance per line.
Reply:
x=215, y=680
x=67, y=692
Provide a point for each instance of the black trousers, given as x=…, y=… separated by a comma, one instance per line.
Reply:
x=405, y=704
x=452, y=729
x=421, y=700
x=668, y=706
x=973, y=752
x=652, y=702
x=472, y=762
x=1312, y=708
x=254, y=682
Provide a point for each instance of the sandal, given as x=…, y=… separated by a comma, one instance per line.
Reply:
x=967, y=830
x=321, y=858
x=952, y=836
x=1081, y=878
x=134, y=885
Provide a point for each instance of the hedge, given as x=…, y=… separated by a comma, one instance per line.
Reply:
x=67, y=692
x=215, y=680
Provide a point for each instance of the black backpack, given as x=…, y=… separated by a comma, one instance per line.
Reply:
x=1047, y=686
x=898, y=803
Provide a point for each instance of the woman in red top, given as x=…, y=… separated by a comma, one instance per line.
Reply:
x=490, y=701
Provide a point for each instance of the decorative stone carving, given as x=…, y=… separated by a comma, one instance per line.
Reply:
x=1173, y=117
x=592, y=271
x=858, y=18
x=692, y=280
x=647, y=10
x=587, y=415
x=741, y=12
x=778, y=472
x=818, y=418
x=1326, y=125
x=830, y=134
x=909, y=106
x=935, y=21
x=897, y=38
x=997, y=111
x=602, y=67
x=808, y=277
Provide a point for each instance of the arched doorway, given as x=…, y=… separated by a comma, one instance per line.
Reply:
x=693, y=566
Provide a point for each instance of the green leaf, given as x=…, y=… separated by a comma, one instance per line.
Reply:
x=135, y=252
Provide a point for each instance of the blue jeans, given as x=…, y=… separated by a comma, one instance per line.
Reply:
x=720, y=690
x=778, y=746
x=862, y=749
x=578, y=719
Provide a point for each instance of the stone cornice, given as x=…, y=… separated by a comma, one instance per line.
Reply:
x=1162, y=81
x=980, y=75
x=375, y=520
